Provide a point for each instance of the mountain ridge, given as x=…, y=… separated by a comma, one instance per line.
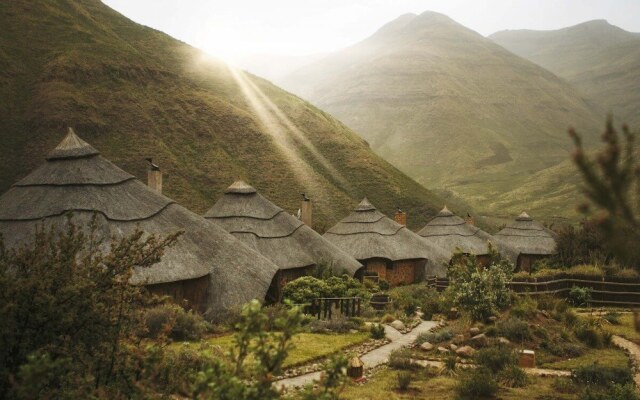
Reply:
x=135, y=92
x=450, y=107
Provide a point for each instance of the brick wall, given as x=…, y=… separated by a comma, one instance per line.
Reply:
x=397, y=273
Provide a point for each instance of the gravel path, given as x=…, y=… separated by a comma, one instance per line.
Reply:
x=371, y=359
x=634, y=352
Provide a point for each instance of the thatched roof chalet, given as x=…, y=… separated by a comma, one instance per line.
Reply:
x=528, y=237
x=76, y=179
x=267, y=228
x=453, y=233
x=366, y=233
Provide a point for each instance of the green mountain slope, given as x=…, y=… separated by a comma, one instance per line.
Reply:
x=600, y=59
x=449, y=107
x=134, y=92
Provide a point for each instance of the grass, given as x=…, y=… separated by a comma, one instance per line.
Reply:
x=307, y=346
x=611, y=357
x=382, y=386
x=626, y=328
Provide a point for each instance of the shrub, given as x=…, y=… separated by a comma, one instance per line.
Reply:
x=563, y=348
x=564, y=385
x=495, y=358
x=387, y=319
x=514, y=329
x=377, y=331
x=479, y=290
x=580, y=296
x=524, y=307
x=409, y=298
x=400, y=359
x=597, y=374
x=612, y=317
x=477, y=383
x=590, y=333
x=435, y=337
x=338, y=324
x=450, y=366
x=175, y=322
x=303, y=290
x=513, y=376
x=383, y=284
x=612, y=392
x=404, y=380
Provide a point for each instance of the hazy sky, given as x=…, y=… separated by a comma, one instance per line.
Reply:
x=232, y=29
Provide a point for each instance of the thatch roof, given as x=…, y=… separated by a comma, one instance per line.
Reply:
x=528, y=236
x=276, y=234
x=77, y=179
x=367, y=233
x=452, y=233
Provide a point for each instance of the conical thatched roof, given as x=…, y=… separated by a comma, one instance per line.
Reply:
x=451, y=232
x=367, y=233
x=528, y=236
x=77, y=179
x=279, y=236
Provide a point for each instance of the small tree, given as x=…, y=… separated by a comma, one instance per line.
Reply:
x=612, y=186
x=69, y=315
x=479, y=290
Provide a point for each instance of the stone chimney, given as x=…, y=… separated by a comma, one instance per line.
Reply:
x=154, y=177
x=400, y=217
x=306, y=211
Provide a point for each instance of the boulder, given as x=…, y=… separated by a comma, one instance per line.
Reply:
x=453, y=347
x=443, y=350
x=426, y=346
x=398, y=325
x=466, y=351
x=493, y=318
x=458, y=339
x=480, y=340
x=474, y=331
x=504, y=340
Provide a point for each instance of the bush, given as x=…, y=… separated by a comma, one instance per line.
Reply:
x=409, y=298
x=524, y=307
x=590, y=333
x=377, y=331
x=479, y=290
x=173, y=321
x=477, y=383
x=563, y=348
x=612, y=317
x=580, y=296
x=612, y=392
x=404, y=380
x=338, y=325
x=597, y=374
x=514, y=329
x=387, y=319
x=496, y=358
x=303, y=290
x=400, y=359
x=434, y=337
x=564, y=385
x=513, y=376
x=383, y=285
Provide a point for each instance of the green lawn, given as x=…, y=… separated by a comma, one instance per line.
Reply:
x=382, y=386
x=307, y=346
x=625, y=329
x=611, y=357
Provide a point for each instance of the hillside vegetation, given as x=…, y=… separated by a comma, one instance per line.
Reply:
x=599, y=59
x=134, y=92
x=450, y=107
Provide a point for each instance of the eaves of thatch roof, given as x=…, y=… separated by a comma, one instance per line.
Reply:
x=528, y=236
x=453, y=233
x=77, y=180
x=276, y=234
x=367, y=233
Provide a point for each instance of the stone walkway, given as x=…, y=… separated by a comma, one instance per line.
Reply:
x=371, y=359
x=634, y=352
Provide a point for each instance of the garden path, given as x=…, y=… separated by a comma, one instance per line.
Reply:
x=634, y=352
x=371, y=359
